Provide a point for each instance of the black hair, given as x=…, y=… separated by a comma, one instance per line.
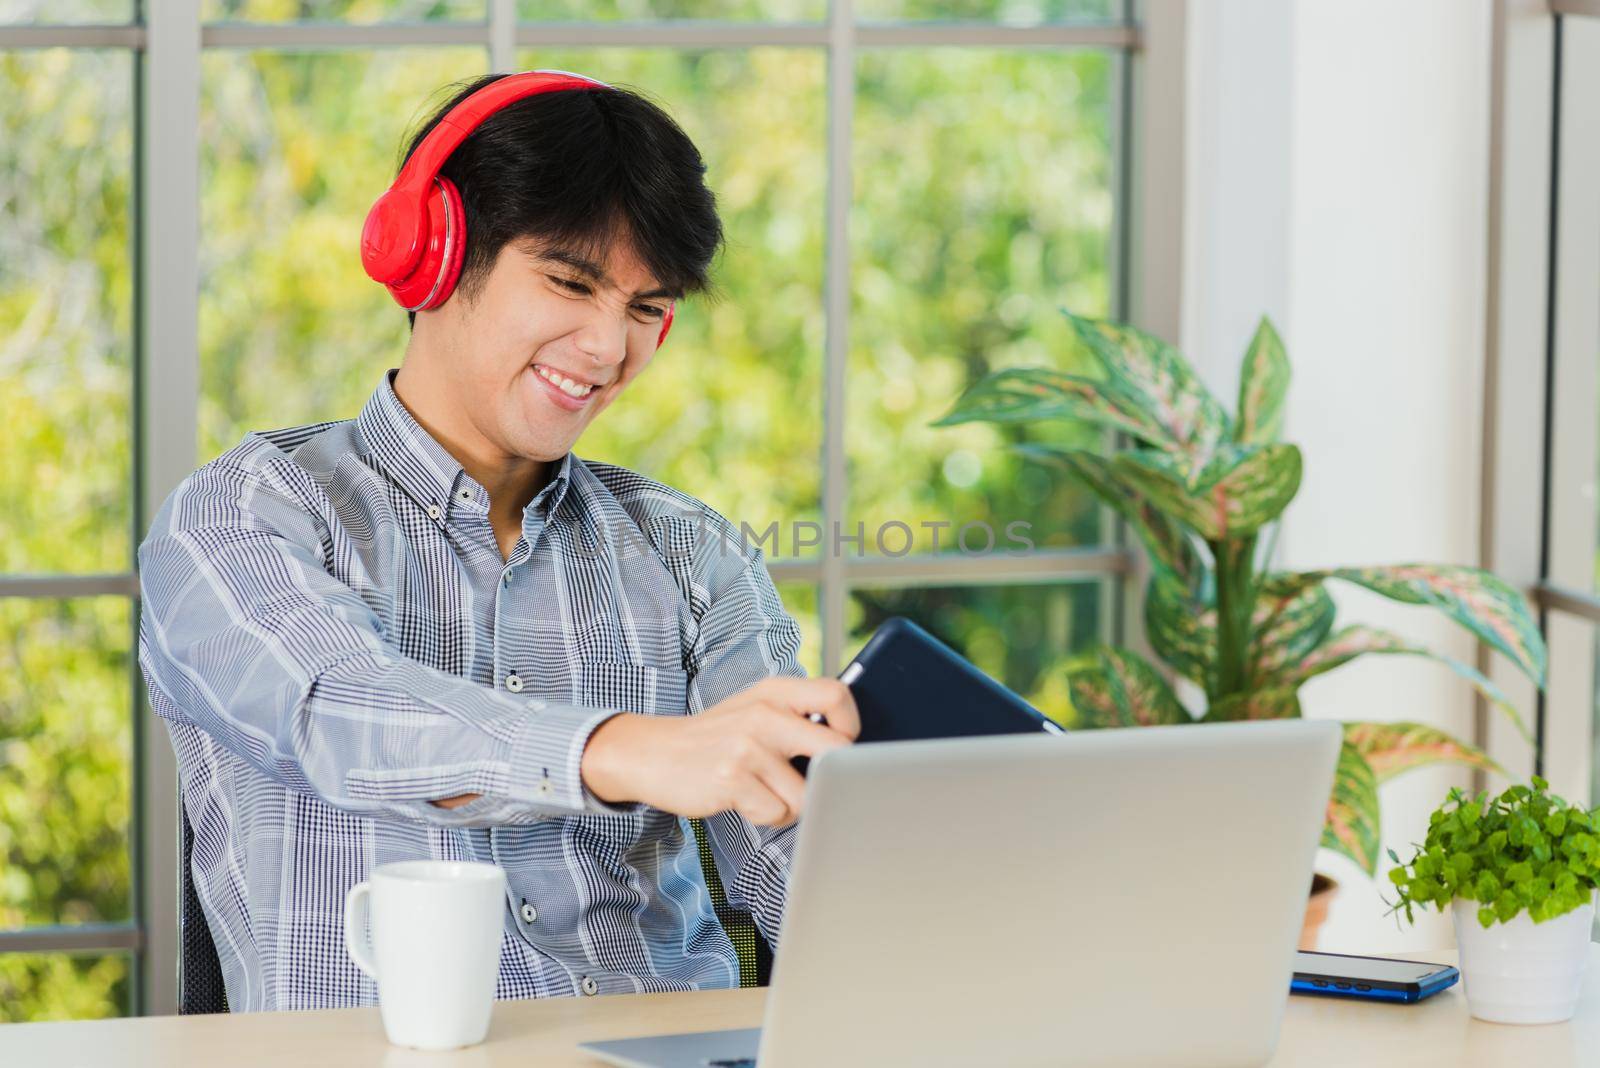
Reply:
x=582, y=169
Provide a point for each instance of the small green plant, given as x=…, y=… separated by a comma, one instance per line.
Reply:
x=1525, y=849
x=1200, y=486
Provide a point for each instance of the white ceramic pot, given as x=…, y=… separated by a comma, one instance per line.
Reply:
x=1523, y=972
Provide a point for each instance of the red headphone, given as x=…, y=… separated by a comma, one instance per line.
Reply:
x=415, y=234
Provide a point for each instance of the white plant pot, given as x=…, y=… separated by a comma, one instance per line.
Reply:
x=1523, y=972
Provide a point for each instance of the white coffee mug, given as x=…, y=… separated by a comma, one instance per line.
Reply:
x=433, y=947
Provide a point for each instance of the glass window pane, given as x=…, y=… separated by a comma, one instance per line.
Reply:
x=66, y=310
x=60, y=986
x=60, y=12
x=982, y=204
x=65, y=758
x=1020, y=635
x=340, y=10
x=644, y=10
x=295, y=147
x=800, y=599
x=1022, y=12
x=731, y=409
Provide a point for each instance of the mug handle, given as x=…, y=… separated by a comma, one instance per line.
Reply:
x=357, y=942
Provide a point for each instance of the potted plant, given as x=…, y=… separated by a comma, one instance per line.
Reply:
x=1200, y=487
x=1519, y=872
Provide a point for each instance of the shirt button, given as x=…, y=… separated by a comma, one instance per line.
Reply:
x=434, y=512
x=544, y=786
x=514, y=682
x=529, y=913
x=590, y=986
x=465, y=495
x=507, y=578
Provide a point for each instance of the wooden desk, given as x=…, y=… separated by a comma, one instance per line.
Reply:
x=1317, y=1033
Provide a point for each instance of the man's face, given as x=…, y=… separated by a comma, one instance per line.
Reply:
x=550, y=341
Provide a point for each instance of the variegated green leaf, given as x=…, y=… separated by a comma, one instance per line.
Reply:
x=1165, y=540
x=1288, y=625
x=1141, y=692
x=1161, y=477
x=1182, y=630
x=1263, y=383
x=1352, y=823
x=1243, y=488
x=1478, y=600
x=1277, y=702
x=1122, y=689
x=1093, y=706
x=1391, y=748
x=1025, y=394
x=1351, y=642
x=1166, y=388
x=1343, y=647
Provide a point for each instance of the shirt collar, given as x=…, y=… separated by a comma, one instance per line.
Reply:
x=423, y=468
x=555, y=491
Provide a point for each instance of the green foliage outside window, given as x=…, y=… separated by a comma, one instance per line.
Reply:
x=973, y=211
x=65, y=507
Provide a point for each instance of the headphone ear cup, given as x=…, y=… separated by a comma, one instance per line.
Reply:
x=666, y=323
x=456, y=246
x=391, y=238
x=434, y=278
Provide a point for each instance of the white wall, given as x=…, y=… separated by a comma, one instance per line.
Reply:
x=1238, y=182
x=1337, y=179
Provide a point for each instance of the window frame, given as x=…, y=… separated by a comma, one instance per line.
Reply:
x=168, y=40
x=1541, y=374
x=1567, y=584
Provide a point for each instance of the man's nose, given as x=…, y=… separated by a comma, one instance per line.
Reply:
x=604, y=337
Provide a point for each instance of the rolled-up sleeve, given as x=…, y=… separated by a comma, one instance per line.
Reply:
x=245, y=634
x=744, y=636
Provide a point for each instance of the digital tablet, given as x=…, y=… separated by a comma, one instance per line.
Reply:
x=908, y=684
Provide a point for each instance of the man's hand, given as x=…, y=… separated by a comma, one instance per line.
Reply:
x=733, y=756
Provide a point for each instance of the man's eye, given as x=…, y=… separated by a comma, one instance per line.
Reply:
x=649, y=311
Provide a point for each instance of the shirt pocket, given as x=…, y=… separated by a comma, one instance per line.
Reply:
x=656, y=691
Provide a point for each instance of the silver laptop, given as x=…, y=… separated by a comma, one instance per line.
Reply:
x=1123, y=897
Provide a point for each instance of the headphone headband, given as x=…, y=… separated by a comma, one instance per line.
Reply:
x=447, y=135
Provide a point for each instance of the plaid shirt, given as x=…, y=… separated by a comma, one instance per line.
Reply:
x=334, y=639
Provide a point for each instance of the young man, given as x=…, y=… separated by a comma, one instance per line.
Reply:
x=433, y=632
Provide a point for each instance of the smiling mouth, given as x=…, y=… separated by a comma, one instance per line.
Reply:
x=570, y=386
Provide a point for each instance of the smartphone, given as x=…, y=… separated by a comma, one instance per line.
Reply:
x=1372, y=978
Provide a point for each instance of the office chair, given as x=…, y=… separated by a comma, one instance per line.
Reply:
x=200, y=986
x=755, y=956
